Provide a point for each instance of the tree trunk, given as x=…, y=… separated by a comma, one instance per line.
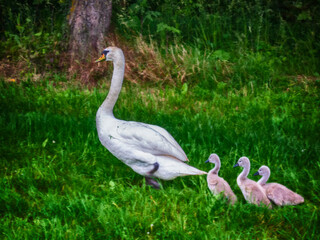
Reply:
x=89, y=21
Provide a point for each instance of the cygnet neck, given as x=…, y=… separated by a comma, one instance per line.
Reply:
x=263, y=180
x=244, y=174
x=216, y=168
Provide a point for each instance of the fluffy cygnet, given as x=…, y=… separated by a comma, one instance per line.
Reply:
x=251, y=190
x=216, y=184
x=276, y=192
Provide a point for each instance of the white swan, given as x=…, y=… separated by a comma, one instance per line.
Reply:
x=217, y=184
x=276, y=192
x=251, y=190
x=148, y=149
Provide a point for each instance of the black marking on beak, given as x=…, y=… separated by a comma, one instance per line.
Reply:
x=257, y=173
x=105, y=52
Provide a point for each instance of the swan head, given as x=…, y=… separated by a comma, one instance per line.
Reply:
x=263, y=170
x=214, y=158
x=242, y=162
x=110, y=54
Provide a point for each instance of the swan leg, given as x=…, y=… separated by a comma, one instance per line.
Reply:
x=149, y=180
x=153, y=183
x=155, y=168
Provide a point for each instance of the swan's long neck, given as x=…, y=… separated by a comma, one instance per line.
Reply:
x=116, y=84
x=244, y=174
x=216, y=168
x=264, y=179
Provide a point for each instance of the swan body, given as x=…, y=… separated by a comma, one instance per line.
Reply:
x=148, y=149
x=276, y=192
x=251, y=190
x=216, y=184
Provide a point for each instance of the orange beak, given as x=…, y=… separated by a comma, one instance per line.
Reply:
x=103, y=57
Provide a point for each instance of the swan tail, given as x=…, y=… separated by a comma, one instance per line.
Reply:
x=190, y=170
x=196, y=171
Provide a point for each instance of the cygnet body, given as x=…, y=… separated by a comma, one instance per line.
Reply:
x=251, y=190
x=276, y=192
x=216, y=184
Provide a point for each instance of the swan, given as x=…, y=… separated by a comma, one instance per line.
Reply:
x=276, y=192
x=148, y=149
x=217, y=184
x=251, y=190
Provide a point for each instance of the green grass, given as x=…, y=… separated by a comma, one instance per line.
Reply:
x=266, y=27
x=58, y=182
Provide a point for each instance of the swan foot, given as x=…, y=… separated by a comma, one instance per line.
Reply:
x=153, y=183
x=155, y=168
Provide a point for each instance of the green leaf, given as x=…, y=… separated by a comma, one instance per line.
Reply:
x=184, y=89
x=304, y=16
x=222, y=55
x=112, y=184
x=162, y=27
x=44, y=144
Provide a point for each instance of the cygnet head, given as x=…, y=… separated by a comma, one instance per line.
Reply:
x=110, y=54
x=242, y=162
x=214, y=158
x=263, y=170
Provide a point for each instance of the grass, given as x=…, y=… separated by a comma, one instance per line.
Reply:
x=256, y=26
x=224, y=77
x=58, y=181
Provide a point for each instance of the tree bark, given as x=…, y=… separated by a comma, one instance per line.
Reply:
x=89, y=22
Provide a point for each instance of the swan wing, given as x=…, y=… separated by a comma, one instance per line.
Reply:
x=169, y=137
x=146, y=139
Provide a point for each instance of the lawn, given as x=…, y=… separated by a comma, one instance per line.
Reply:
x=59, y=182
